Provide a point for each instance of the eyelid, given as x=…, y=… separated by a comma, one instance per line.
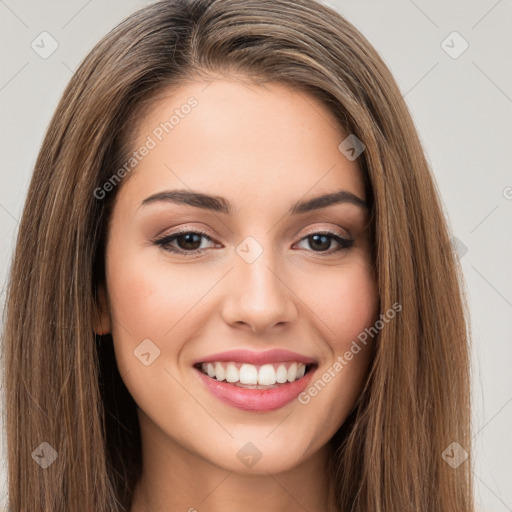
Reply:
x=336, y=229
x=185, y=229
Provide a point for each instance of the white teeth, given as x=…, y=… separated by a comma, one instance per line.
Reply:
x=232, y=373
x=281, y=374
x=219, y=372
x=292, y=372
x=267, y=375
x=249, y=374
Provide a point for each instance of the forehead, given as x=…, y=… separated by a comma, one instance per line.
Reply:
x=241, y=141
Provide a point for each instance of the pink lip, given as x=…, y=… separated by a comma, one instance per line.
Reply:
x=255, y=400
x=257, y=358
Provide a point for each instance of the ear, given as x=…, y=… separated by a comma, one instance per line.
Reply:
x=102, y=323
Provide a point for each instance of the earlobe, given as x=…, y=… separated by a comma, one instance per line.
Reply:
x=101, y=322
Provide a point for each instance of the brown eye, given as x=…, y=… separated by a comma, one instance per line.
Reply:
x=187, y=242
x=322, y=242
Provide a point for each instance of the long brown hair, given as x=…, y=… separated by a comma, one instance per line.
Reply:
x=62, y=386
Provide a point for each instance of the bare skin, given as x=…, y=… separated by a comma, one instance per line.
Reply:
x=262, y=149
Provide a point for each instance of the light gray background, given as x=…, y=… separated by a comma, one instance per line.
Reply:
x=462, y=108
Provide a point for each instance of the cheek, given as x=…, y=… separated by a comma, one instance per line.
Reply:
x=151, y=307
x=350, y=305
x=358, y=305
x=132, y=299
x=346, y=302
x=149, y=296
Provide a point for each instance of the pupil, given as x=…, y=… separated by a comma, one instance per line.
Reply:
x=323, y=238
x=189, y=239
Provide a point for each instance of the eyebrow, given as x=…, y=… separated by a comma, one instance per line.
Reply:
x=221, y=205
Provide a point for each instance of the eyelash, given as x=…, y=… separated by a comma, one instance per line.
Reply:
x=164, y=242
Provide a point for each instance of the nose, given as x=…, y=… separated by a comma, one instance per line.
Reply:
x=258, y=296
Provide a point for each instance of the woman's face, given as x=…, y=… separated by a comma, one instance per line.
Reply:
x=242, y=281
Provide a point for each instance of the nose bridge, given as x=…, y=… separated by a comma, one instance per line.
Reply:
x=260, y=296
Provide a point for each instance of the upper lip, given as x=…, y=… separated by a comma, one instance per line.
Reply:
x=275, y=355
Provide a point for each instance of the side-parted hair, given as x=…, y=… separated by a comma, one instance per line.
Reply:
x=63, y=388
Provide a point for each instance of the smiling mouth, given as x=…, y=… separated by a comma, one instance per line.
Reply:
x=249, y=376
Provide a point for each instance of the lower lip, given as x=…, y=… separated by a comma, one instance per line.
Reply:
x=256, y=400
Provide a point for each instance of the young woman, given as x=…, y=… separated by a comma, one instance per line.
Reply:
x=233, y=286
